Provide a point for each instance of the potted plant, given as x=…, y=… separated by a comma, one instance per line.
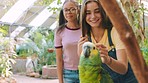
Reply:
x=25, y=50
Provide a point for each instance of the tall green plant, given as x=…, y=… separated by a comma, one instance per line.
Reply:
x=43, y=39
x=43, y=43
x=7, y=55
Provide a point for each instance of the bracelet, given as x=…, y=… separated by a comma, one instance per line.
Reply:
x=110, y=61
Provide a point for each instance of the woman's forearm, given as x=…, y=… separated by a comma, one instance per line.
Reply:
x=117, y=66
x=60, y=71
x=59, y=61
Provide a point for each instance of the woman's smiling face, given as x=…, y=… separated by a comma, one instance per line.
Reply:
x=70, y=11
x=93, y=15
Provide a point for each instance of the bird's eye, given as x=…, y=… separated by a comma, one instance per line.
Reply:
x=94, y=48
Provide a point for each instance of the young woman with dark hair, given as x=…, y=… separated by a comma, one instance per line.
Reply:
x=97, y=28
x=66, y=39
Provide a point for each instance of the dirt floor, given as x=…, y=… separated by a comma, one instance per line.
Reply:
x=20, y=78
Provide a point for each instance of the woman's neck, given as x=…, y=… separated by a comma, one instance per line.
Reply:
x=72, y=25
x=98, y=33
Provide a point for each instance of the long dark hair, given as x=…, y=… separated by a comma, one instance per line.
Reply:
x=86, y=28
x=62, y=20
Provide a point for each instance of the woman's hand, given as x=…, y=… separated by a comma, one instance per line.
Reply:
x=80, y=43
x=104, y=53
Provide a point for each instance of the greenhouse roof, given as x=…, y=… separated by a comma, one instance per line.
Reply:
x=27, y=14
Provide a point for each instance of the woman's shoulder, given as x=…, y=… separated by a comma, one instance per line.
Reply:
x=59, y=29
x=114, y=32
x=113, y=29
x=116, y=39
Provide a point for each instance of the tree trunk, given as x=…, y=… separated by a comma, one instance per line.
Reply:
x=128, y=37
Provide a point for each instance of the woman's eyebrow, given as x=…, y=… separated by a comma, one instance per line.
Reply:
x=94, y=9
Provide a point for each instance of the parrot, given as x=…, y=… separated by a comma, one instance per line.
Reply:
x=90, y=70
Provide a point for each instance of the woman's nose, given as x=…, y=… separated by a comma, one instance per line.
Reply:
x=93, y=15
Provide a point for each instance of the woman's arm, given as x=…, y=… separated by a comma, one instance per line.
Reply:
x=120, y=65
x=59, y=61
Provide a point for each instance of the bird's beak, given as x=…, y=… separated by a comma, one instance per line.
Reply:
x=86, y=52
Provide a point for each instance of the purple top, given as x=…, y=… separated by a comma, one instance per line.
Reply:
x=68, y=40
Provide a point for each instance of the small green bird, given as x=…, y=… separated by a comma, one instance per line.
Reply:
x=90, y=70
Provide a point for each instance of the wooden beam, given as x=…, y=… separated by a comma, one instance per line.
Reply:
x=127, y=35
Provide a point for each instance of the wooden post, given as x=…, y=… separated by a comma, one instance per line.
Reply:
x=127, y=35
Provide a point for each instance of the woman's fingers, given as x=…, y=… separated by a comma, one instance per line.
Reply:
x=102, y=48
x=103, y=52
x=83, y=39
x=99, y=45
